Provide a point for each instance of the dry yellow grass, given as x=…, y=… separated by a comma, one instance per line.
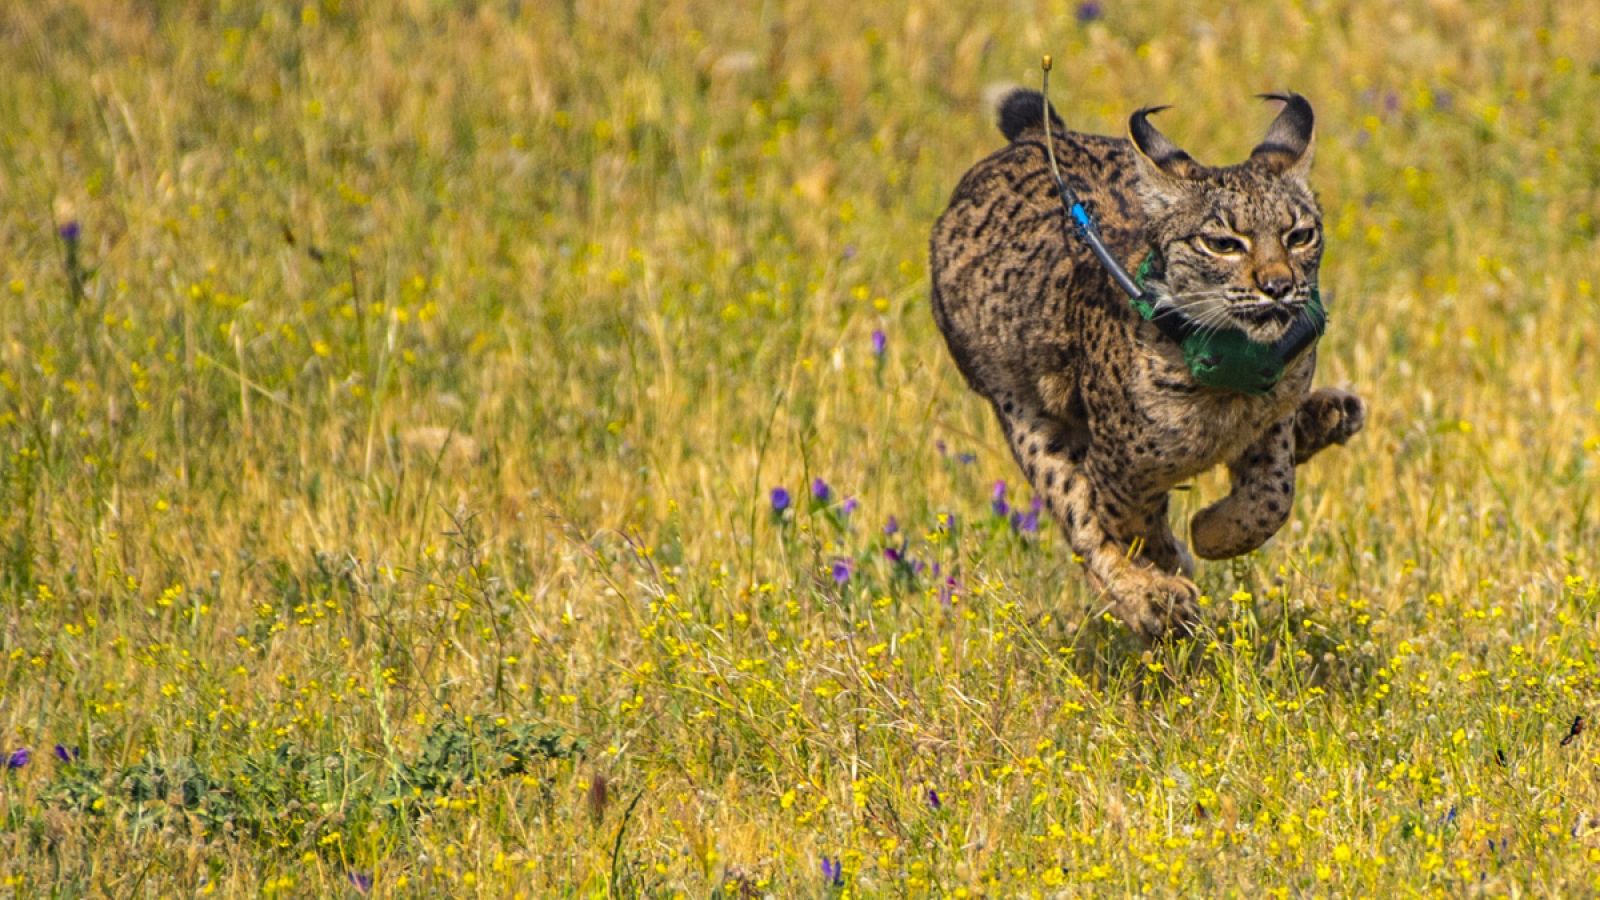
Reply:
x=385, y=483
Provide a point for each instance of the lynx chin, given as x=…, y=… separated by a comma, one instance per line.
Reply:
x=1098, y=405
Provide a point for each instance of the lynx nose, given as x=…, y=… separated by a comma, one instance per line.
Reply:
x=1275, y=286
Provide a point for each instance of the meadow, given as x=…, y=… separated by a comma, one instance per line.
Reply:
x=503, y=448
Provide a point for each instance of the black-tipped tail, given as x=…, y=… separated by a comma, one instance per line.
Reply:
x=1021, y=110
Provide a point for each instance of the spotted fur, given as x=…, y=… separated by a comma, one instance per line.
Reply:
x=1097, y=406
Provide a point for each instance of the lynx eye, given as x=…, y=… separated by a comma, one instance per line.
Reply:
x=1222, y=244
x=1300, y=237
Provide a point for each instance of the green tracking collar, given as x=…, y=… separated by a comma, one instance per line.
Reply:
x=1227, y=359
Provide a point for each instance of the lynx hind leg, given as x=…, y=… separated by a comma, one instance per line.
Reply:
x=1146, y=590
x=1325, y=417
x=1259, y=502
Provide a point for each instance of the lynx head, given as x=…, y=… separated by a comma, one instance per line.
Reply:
x=1239, y=245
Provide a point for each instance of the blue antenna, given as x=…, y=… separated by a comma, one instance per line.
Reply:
x=1081, y=220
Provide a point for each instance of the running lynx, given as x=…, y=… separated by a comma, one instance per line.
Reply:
x=1097, y=403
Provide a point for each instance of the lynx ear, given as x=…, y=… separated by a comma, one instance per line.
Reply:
x=1154, y=148
x=1286, y=149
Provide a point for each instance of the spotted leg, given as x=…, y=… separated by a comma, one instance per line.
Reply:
x=1258, y=504
x=1125, y=543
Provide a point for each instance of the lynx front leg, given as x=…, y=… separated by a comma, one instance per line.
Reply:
x=1258, y=505
x=1127, y=548
x=1325, y=417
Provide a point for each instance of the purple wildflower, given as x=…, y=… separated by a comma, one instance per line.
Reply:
x=361, y=881
x=939, y=445
x=833, y=871
x=998, y=500
x=967, y=459
x=1090, y=11
x=66, y=754
x=1027, y=522
x=892, y=554
x=18, y=758
x=841, y=571
x=76, y=274
x=850, y=505
x=780, y=499
x=933, y=800
x=880, y=342
x=948, y=591
x=821, y=491
x=892, y=526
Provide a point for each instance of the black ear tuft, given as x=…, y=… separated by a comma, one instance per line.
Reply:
x=1289, y=136
x=1161, y=152
x=1023, y=109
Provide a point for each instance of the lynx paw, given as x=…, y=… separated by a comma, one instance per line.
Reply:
x=1328, y=416
x=1157, y=605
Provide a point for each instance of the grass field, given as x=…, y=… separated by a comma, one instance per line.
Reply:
x=393, y=400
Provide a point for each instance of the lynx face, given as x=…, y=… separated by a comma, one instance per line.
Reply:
x=1239, y=246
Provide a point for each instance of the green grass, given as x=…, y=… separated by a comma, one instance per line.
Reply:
x=385, y=483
